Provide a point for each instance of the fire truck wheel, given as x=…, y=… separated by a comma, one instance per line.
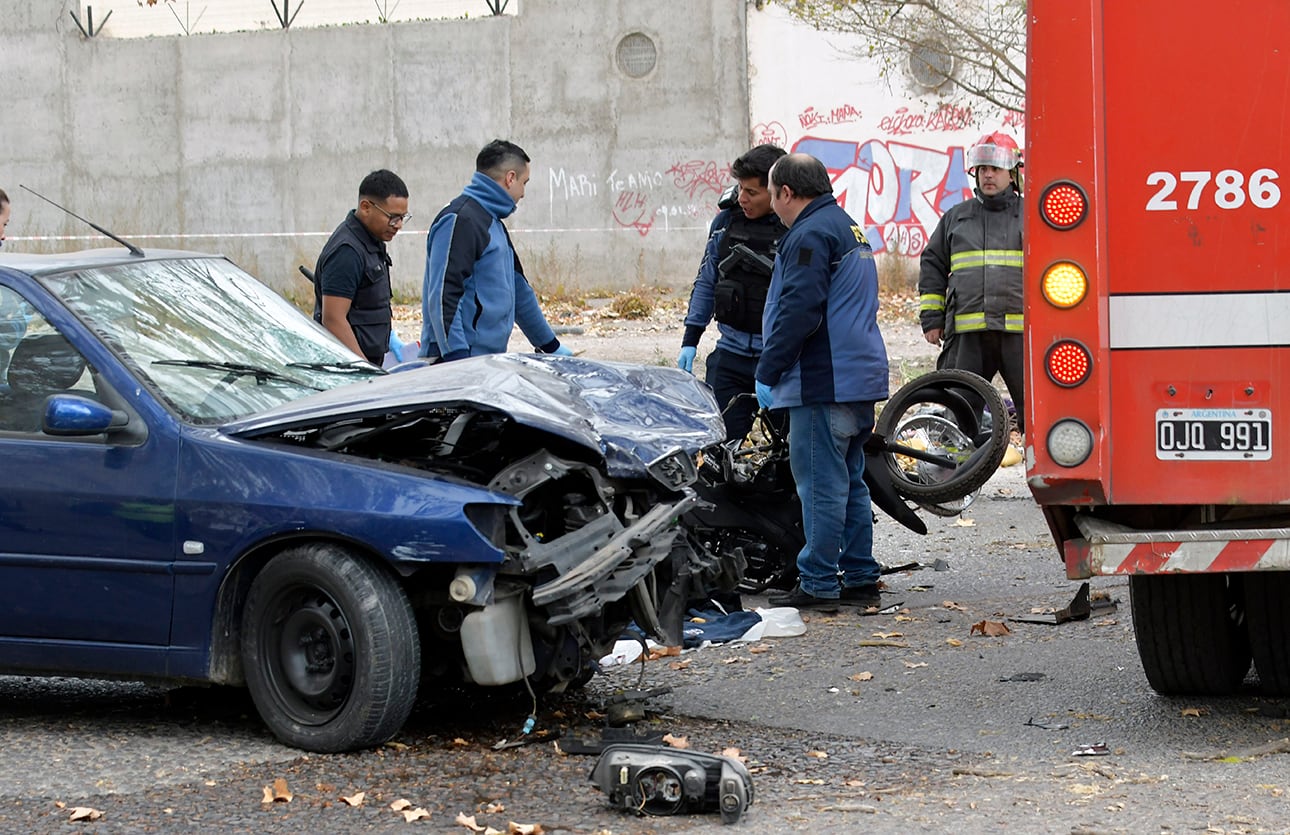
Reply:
x=1190, y=632
x=943, y=435
x=1269, y=625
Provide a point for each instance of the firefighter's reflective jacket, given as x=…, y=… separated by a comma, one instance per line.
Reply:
x=970, y=275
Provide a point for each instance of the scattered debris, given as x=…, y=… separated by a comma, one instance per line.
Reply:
x=1047, y=726
x=1097, y=749
x=1080, y=608
x=1277, y=746
x=1024, y=677
x=990, y=629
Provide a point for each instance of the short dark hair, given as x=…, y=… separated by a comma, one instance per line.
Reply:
x=803, y=173
x=756, y=162
x=500, y=156
x=381, y=184
x=4, y=198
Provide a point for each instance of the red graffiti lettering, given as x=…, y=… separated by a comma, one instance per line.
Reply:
x=770, y=133
x=947, y=117
x=698, y=177
x=631, y=211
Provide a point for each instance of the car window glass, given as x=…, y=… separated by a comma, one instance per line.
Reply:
x=214, y=342
x=36, y=360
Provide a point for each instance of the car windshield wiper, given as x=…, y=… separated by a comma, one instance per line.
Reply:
x=351, y=367
x=240, y=369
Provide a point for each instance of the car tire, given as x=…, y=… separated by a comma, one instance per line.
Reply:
x=1190, y=632
x=1269, y=625
x=330, y=649
x=953, y=391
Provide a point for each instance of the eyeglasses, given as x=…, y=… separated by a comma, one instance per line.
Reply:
x=395, y=220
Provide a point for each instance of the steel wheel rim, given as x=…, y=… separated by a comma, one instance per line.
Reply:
x=309, y=655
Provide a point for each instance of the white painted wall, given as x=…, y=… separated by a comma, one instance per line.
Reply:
x=895, y=152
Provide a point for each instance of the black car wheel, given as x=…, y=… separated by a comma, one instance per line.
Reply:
x=1191, y=632
x=935, y=438
x=331, y=650
x=1269, y=625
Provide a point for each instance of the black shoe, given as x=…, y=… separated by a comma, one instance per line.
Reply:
x=799, y=599
x=866, y=595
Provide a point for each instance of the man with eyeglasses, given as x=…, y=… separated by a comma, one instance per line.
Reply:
x=475, y=291
x=352, y=278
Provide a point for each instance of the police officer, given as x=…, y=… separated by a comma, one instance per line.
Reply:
x=352, y=278
x=731, y=287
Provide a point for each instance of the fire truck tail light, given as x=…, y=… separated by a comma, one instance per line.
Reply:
x=1063, y=205
x=1068, y=363
x=1064, y=284
x=1069, y=443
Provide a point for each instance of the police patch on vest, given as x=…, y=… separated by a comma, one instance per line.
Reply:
x=804, y=257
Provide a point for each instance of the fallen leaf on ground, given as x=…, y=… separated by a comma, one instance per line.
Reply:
x=950, y=604
x=954, y=642
x=913, y=665
x=888, y=634
x=410, y=815
x=676, y=741
x=1194, y=711
x=524, y=828
x=468, y=821
x=494, y=808
x=397, y=746
x=400, y=804
x=278, y=791
x=85, y=813
x=819, y=755
x=679, y=665
x=964, y=523
x=734, y=754
x=459, y=742
x=991, y=629
x=354, y=799
x=865, y=676
x=759, y=648
x=662, y=652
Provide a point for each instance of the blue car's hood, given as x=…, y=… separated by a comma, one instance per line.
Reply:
x=631, y=414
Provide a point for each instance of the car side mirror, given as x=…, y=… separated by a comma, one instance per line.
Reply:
x=74, y=414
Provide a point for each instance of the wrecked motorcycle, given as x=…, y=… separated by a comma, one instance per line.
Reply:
x=935, y=442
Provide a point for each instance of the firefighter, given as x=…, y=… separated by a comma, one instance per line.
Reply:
x=969, y=279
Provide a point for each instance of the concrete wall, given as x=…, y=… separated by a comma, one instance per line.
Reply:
x=894, y=150
x=253, y=144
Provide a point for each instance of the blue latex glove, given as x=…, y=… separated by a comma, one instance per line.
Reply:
x=763, y=395
x=685, y=362
x=396, y=344
x=563, y=351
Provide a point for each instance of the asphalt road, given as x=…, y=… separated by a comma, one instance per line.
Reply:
x=938, y=729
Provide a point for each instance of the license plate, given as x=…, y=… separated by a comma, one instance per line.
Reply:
x=1214, y=434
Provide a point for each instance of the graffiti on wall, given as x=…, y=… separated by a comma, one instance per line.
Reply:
x=840, y=115
x=897, y=191
x=640, y=200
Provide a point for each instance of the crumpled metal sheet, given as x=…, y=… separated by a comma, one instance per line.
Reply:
x=631, y=414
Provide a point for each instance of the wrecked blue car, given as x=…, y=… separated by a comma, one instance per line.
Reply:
x=201, y=485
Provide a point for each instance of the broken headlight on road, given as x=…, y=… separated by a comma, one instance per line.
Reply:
x=654, y=780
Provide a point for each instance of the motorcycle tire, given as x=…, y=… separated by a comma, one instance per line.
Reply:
x=937, y=404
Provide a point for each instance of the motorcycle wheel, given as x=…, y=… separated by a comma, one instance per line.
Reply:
x=934, y=414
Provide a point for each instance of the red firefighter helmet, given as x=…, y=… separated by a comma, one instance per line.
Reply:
x=996, y=149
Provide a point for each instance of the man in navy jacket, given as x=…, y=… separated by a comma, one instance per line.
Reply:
x=475, y=290
x=824, y=360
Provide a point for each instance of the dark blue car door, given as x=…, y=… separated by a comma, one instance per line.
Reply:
x=87, y=529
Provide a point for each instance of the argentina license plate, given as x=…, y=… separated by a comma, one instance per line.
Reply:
x=1214, y=434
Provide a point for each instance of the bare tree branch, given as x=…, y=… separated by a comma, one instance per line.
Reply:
x=964, y=49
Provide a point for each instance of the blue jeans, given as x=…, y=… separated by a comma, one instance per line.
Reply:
x=826, y=452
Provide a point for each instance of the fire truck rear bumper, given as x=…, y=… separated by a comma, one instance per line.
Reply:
x=1108, y=548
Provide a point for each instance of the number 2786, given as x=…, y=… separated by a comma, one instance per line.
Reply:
x=1228, y=189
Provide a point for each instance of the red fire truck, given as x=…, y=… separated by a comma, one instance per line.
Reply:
x=1158, y=321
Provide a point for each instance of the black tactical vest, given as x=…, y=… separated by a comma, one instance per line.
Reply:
x=369, y=313
x=742, y=284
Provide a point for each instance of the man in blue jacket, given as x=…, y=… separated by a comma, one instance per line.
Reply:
x=475, y=290
x=824, y=360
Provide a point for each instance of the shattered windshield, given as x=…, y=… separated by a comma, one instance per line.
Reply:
x=211, y=340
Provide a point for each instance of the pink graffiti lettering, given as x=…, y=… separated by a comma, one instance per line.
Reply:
x=947, y=117
x=810, y=117
x=698, y=177
x=631, y=211
x=770, y=133
x=1014, y=119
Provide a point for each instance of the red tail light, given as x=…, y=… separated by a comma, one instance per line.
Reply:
x=1068, y=363
x=1063, y=205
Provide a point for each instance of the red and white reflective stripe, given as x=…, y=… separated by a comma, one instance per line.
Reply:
x=1165, y=557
